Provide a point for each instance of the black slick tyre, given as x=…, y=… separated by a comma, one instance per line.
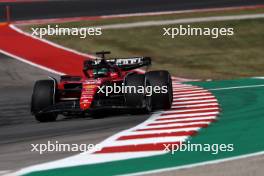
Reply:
x=43, y=96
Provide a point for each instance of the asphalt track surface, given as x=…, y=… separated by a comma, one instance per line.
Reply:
x=18, y=128
x=70, y=8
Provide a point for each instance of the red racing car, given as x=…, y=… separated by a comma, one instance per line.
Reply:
x=106, y=84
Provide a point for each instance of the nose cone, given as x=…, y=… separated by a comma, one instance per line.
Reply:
x=85, y=105
x=87, y=96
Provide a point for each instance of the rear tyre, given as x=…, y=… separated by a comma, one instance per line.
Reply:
x=43, y=96
x=161, y=78
x=138, y=99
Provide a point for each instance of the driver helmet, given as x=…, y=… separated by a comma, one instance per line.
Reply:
x=101, y=71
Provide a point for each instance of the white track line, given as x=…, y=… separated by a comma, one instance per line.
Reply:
x=190, y=92
x=193, y=114
x=215, y=161
x=181, y=84
x=182, y=87
x=190, y=95
x=31, y=63
x=181, y=21
x=147, y=141
x=72, y=19
x=187, y=89
x=187, y=119
x=191, y=110
x=258, y=77
x=182, y=11
x=197, y=105
x=238, y=87
x=164, y=131
x=194, y=98
x=194, y=101
x=83, y=159
x=174, y=124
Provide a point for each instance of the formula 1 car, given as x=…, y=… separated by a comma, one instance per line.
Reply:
x=90, y=93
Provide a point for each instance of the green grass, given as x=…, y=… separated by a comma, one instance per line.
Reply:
x=202, y=57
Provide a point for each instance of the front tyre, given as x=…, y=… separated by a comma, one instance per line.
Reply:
x=43, y=96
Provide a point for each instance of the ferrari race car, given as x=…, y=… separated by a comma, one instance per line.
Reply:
x=106, y=84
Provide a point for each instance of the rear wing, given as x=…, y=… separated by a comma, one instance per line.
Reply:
x=133, y=63
x=123, y=63
x=127, y=61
